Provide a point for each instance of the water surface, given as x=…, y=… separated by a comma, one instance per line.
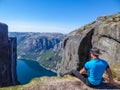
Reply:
x=29, y=69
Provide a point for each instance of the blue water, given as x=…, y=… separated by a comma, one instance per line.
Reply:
x=28, y=69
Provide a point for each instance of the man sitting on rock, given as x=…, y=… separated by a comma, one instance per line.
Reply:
x=94, y=69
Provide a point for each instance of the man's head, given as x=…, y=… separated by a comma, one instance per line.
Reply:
x=94, y=52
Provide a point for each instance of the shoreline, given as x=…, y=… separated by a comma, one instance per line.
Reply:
x=40, y=65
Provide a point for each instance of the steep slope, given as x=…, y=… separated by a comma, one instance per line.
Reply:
x=104, y=33
x=42, y=47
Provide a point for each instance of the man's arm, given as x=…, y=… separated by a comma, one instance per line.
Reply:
x=110, y=75
x=82, y=71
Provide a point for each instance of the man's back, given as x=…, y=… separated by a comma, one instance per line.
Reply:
x=95, y=68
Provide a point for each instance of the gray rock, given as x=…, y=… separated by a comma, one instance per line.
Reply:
x=8, y=74
x=107, y=38
x=104, y=33
x=70, y=52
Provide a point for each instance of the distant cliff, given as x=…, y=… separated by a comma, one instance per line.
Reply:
x=42, y=47
x=104, y=33
x=8, y=57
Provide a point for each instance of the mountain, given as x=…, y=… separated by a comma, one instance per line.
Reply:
x=104, y=33
x=42, y=47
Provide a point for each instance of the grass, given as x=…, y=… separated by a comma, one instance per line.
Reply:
x=86, y=27
x=37, y=83
x=19, y=87
x=11, y=87
x=115, y=72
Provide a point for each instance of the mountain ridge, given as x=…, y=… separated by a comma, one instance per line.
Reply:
x=42, y=47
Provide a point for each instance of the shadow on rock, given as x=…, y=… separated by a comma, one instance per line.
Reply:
x=105, y=85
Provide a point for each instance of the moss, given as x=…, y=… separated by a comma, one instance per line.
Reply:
x=84, y=28
x=115, y=66
x=115, y=72
x=116, y=19
x=79, y=31
x=44, y=81
x=112, y=19
x=11, y=87
x=89, y=26
x=109, y=20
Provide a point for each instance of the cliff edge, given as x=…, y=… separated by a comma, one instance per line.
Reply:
x=57, y=83
x=8, y=57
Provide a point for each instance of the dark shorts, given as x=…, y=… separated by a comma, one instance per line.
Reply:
x=82, y=77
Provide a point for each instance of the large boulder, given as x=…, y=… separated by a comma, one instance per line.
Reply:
x=107, y=37
x=104, y=33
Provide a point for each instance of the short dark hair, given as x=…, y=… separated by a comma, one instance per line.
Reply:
x=95, y=51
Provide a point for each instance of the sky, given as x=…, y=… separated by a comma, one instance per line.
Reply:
x=61, y=16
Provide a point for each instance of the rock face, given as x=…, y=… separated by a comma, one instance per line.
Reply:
x=7, y=58
x=104, y=33
x=107, y=37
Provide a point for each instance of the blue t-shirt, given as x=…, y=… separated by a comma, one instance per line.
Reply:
x=95, y=69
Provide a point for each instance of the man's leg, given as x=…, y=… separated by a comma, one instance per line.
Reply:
x=77, y=74
x=82, y=77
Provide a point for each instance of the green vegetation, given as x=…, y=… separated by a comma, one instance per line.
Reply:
x=11, y=87
x=79, y=31
x=37, y=83
x=110, y=20
x=47, y=54
x=115, y=71
x=39, y=47
x=86, y=27
x=49, y=59
x=116, y=19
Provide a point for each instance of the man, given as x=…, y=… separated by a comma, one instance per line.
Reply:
x=94, y=69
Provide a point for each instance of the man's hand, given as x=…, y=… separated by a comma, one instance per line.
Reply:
x=82, y=71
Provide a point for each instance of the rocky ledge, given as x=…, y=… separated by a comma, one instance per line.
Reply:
x=58, y=83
